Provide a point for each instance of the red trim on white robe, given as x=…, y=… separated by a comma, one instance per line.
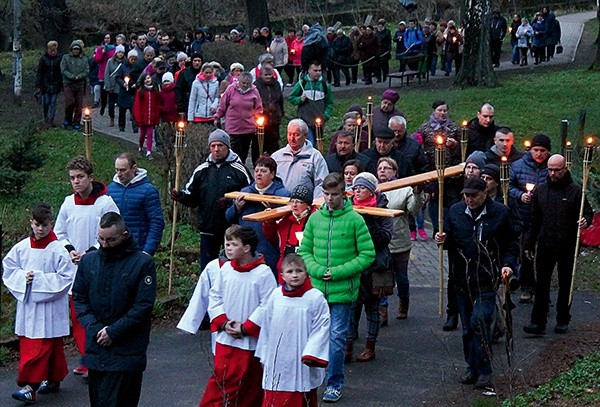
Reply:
x=41, y=359
x=290, y=399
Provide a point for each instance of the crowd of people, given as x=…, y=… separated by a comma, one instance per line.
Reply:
x=317, y=262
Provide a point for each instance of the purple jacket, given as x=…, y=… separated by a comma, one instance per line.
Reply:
x=239, y=109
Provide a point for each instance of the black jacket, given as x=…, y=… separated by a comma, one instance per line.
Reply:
x=413, y=152
x=272, y=99
x=183, y=87
x=480, y=138
x=555, y=212
x=478, y=248
x=335, y=162
x=371, y=156
x=116, y=288
x=48, y=77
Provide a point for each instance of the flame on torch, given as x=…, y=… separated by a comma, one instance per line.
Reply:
x=318, y=121
x=439, y=140
x=86, y=111
x=260, y=121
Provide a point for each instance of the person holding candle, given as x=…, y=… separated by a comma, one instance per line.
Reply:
x=126, y=78
x=530, y=170
x=350, y=120
x=273, y=110
x=551, y=242
x=146, y=111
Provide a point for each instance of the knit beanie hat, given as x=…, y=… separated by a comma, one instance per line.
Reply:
x=367, y=180
x=52, y=45
x=477, y=158
x=132, y=53
x=541, y=140
x=148, y=50
x=236, y=65
x=168, y=76
x=391, y=95
x=303, y=193
x=119, y=48
x=492, y=170
x=181, y=56
x=221, y=136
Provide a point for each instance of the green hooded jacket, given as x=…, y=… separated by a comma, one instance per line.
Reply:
x=74, y=69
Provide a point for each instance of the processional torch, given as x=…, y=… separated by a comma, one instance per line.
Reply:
x=568, y=155
x=179, y=138
x=440, y=166
x=504, y=176
x=319, y=134
x=464, y=138
x=369, y=120
x=87, y=133
x=261, y=121
x=588, y=156
x=357, y=132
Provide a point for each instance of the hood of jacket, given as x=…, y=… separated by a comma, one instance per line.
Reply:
x=140, y=176
x=326, y=212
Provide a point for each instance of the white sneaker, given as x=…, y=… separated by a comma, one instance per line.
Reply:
x=26, y=394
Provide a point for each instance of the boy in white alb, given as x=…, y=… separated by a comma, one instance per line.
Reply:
x=198, y=306
x=293, y=345
x=77, y=226
x=236, y=301
x=39, y=273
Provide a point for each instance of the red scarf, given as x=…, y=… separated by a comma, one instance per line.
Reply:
x=44, y=242
x=98, y=189
x=298, y=292
x=369, y=202
x=249, y=266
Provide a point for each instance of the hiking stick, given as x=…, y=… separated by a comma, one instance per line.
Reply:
x=588, y=156
x=179, y=136
x=440, y=166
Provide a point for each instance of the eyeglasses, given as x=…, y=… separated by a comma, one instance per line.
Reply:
x=109, y=240
x=296, y=202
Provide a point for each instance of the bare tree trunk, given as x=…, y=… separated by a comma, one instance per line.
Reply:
x=56, y=22
x=476, y=67
x=258, y=14
x=17, y=53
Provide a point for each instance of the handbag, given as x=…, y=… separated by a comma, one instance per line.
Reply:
x=382, y=283
x=559, y=48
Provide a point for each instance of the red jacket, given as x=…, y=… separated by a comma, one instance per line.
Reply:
x=146, y=107
x=283, y=233
x=168, y=103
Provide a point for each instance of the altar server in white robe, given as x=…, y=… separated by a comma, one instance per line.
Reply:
x=293, y=345
x=38, y=273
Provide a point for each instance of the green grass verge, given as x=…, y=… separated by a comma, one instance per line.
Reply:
x=580, y=385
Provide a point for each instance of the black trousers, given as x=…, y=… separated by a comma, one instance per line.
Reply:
x=546, y=258
x=114, y=389
x=496, y=47
x=240, y=143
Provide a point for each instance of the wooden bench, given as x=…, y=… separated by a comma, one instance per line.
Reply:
x=420, y=73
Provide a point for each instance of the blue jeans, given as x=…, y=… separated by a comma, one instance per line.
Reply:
x=477, y=317
x=49, y=106
x=515, y=52
x=311, y=137
x=338, y=331
x=433, y=64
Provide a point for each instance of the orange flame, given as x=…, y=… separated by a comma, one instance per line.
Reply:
x=529, y=187
x=590, y=140
x=358, y=121
x=464, y=123
x=180, y=124
x=86, y=111
x=369, y=98
x=318, y=121
x=568, y=144
x=503, y=159
x=439, y=140
x=260, y=121
x=527, y=143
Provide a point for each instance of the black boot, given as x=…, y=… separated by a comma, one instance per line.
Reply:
x=451, y=323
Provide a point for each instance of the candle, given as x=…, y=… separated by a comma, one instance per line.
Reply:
x=87, y=132
x=299, y=236
x=529, y=187
x=126, y=80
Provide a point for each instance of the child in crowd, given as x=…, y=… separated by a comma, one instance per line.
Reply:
x=38, y=273
x=293, y=345
x=146, y=111
x=168, y=100
x=77, y=226
x=236, y=302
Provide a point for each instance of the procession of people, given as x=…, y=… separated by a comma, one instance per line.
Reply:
x=295, y=245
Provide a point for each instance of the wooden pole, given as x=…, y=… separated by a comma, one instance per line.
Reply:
x=319, y=135
x=357, y=132
x=260, y=133
x=179, y=137
x=369, y=120
x=587, y=161
x=504, y=177
x=440, y=166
